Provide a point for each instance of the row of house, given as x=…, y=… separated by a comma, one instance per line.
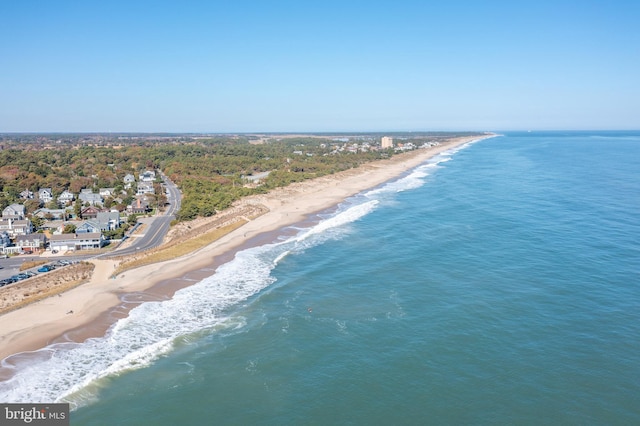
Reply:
x=17, y=233
x=144, y=186
x=14, y=222
x=56, y=242
x=45, y=195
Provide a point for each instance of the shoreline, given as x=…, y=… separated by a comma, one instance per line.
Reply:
x=98, y=304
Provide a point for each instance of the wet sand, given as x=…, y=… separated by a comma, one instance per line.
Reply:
x=99, y=303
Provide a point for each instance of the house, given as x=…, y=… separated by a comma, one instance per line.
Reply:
x=53, y=226
x=65, y=198
x=14, y=211
x=45, y=195
x=26, y=195
x=129, y=180
x=5, y=240
x=62, y=242
x=31, y=242
x=105, y=221
x=15, y=227
x=148, y=176
x=87, y=227
x=145, y=188
x=90, y=241
x=89, y=212
x=88, y=196
x=138, y=206
x=73, y=242
x=108, y=221
x=50, y=213
x=107, y=192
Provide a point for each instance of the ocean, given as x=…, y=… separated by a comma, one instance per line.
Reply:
x=498, y=283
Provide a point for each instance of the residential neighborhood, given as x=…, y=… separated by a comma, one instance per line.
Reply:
x=86, y=220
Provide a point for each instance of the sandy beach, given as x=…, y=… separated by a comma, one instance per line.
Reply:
x=88, y=309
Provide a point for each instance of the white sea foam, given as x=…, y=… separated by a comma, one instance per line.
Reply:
x=415, y=178
x=74, y=372
x=324, y=229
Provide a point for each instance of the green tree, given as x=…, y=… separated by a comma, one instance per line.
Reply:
x=77, y=209
x=37, y=222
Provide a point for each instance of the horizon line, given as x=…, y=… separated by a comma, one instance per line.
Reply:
x=288, y=132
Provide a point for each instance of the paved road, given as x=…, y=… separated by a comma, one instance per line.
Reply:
x=156, y=227
x=155, y=230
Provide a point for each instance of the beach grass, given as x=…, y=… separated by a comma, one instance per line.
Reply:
x=32, y=264
x=181, y=248
x=43, y=286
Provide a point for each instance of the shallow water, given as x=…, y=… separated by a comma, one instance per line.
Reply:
x=496, y=284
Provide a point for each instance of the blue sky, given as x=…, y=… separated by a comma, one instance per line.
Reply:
x=251, y=66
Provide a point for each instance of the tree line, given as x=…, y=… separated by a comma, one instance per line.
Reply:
x=208, y=171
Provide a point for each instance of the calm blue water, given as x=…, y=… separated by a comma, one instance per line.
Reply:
x=499, y=284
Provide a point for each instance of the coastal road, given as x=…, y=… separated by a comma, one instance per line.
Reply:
x=157, y=226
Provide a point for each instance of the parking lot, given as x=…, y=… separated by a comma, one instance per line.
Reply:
x=40, y=269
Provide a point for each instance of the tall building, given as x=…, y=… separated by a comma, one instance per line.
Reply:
x=387, y=142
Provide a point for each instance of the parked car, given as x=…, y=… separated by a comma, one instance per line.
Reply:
x=45, y=268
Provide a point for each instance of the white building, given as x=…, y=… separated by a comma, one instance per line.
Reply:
x=129, y=180
x=148, y=176
x=73, y=242
x=14, y=211
x=15, y=227
x=145, y=188
x=45, y=195
x=106, y=192
x=65, y=198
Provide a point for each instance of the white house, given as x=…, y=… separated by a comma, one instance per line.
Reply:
x=129, y=180
x=106, y=192
x=145, y=188
x=15, y=227
x=45, y=195
x=148, y=176
x=14, y=211
x=31, y=242
x=26, y=195
x=73, y=242
x=65, y=198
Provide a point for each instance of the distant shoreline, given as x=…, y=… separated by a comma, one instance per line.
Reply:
x=90, y=309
